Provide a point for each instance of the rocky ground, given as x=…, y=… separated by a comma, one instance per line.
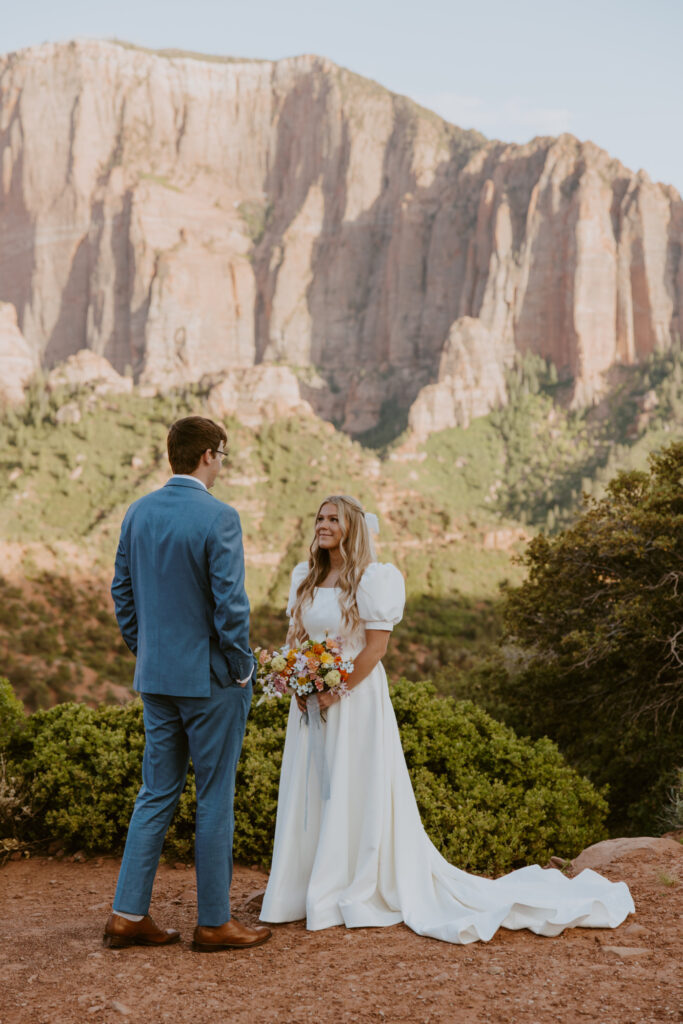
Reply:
x=54, y=969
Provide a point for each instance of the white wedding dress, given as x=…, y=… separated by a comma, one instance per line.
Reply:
x=361, y=857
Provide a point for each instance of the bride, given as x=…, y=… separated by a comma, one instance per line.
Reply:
x=349, y=844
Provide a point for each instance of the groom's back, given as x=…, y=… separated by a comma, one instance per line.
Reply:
x=164, y=541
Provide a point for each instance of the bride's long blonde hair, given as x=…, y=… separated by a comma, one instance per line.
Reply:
x=357, y=552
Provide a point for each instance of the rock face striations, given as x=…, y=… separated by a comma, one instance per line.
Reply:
x=186, y=216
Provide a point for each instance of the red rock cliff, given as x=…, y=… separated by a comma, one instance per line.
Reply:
x=184, y=216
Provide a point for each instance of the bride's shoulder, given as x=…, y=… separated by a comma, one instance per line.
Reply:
x=381, y=595
x=381, y=573
x=298, y=572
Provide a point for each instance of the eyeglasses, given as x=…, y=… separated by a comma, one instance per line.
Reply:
x=217, y=451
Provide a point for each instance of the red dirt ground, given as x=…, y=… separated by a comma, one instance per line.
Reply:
x=54, y=970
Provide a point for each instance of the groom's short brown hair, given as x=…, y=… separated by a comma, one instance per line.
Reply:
x=189, y=438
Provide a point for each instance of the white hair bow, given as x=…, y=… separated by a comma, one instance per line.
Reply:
x=372, y=522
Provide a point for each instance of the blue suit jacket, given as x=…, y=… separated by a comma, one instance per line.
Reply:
x=179, y=593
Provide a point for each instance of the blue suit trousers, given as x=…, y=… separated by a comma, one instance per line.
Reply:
x=210, y=730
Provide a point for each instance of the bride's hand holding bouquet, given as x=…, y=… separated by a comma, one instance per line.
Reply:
x=310, y=668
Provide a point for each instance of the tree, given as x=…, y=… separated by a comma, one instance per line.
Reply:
x=599, y=628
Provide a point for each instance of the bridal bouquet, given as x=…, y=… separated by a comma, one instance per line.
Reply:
x=310, y=668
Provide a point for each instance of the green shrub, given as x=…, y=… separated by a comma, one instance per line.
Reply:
x=600, y=623
x=255, y=215
x=12, y=719
x=15, y=805
x=83, y=767
x=489, y=800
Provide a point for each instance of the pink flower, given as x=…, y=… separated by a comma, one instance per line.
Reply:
x=263, y=657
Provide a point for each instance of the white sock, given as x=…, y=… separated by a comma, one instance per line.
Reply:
x=128, y=917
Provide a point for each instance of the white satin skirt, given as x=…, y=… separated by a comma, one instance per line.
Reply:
x=350, y=848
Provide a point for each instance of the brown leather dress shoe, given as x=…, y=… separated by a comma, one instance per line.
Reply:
x=119, y=933
x=231, y=935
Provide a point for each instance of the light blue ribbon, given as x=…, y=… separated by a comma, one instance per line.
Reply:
x=316, y=752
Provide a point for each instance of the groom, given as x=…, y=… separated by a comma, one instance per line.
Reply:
x=179, y=596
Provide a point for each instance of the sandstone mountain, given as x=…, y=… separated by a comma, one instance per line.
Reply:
x=186, y=216
x=18, y=362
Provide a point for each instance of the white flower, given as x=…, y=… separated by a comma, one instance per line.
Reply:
x=301, y=689
x=301, y=664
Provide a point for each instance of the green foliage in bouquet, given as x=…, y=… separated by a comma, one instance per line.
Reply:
x=599, y=628
x=489, y=800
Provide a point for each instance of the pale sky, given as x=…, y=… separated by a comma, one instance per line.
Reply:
x=606, y=70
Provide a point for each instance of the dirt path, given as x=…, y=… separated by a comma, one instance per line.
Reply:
x=53, y=969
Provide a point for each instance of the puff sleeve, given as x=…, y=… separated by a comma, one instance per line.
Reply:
x=381, y=596
x=298, y=573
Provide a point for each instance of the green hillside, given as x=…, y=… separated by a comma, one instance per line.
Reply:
x=455, y=512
